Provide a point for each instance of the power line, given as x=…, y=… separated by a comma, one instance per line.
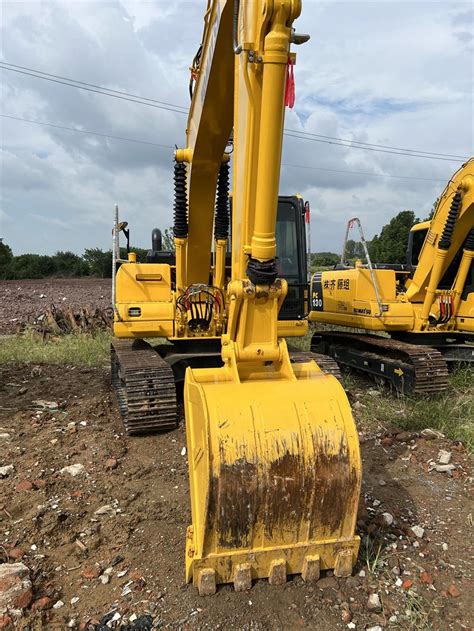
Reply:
x=145, y=142
x=93, y=85
x=369, y=144
x=402, y=177
x=396, y=153
x=81, y=87
x=85, y=131
x=179, y=109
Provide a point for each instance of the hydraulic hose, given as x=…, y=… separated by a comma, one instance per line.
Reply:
x=235, y=28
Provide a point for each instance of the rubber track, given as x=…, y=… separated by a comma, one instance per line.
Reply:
x=430, y=368
x=144, y=387
x=328, y=365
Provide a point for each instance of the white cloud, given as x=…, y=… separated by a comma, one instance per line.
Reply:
x=394, y=73
x=51, y=221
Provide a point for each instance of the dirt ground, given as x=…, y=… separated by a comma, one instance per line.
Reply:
x=129, y=557
x=22, y=300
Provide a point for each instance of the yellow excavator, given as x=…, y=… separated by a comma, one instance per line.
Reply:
x=426, y=305
x=273, y=451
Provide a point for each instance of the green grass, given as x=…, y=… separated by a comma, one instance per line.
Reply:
x=451, y=412
x=77, y=349
x=320, y=268
x=373, y=553
x=301, y=343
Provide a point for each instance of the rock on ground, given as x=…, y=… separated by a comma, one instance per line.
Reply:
x=373, y=603
x=15, y=586
x=73, y=469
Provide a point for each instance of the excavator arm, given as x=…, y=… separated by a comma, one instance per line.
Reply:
x=449, y=240
x=274, y=459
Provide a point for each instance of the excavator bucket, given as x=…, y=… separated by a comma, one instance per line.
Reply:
x=275, y=476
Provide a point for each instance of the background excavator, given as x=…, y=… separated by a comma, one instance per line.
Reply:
x=426, y=306
x=274, y=462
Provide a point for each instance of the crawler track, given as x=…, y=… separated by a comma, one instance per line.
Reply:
x=144, y=387
x=410, y=368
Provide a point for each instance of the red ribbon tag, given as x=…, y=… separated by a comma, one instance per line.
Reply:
x=290, y=84
x=307, y=214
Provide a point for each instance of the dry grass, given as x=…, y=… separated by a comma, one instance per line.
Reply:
x=74, y=349
x=451, y=412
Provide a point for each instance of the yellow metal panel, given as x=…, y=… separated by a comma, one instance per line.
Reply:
x=465, y=316
x=135, y=282
x=370, y=323
x=423, y=225
x=292, y=328
x=341, y=288
x=145, y=287
x=151, y=311
x=150, y=328
x=349, y=299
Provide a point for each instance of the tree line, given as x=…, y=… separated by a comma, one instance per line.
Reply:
x=93, y=262
x=387, y=247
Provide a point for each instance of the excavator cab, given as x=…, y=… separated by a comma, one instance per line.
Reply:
x=291, y=256
x=416, y=239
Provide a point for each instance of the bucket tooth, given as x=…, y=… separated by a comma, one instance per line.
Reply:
x=343, y=565
x=311, y=569
x=243, y=577
x=277, y=572
x=206, y=582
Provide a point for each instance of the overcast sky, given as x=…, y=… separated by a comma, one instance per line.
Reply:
x=391, y=73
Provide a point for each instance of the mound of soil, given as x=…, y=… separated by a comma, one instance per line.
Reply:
x=109, y=540
x=22, y=300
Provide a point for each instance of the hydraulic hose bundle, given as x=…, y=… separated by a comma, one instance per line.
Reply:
x=199, y=303
x=445, y=308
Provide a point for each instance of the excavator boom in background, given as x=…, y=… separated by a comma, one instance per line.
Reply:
x=426, y=306
x=274, y=462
